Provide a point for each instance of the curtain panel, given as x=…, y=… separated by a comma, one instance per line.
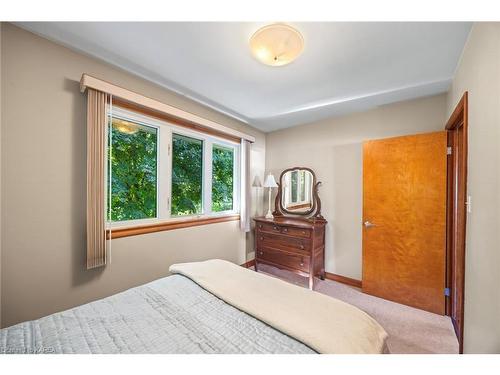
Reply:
x=245, y=198
x=96, y=178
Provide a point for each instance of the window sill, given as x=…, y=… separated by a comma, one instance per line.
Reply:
x=168, y=225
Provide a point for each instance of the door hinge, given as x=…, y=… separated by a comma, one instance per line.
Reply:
x=168, y=148
x=168, y=203
x=447, y=292
x=448, y=150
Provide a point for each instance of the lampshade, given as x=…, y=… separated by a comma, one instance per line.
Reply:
x=256, y=182
x=270, y=181
x=277, y=44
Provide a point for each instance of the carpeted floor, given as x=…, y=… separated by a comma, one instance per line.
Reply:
x=410, y=330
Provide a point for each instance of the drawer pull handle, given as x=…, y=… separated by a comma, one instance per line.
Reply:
x=301, y=247
x=260, y=226
x=285, y=230
x=262, y=238
x=261, y=253
x=303, y=232
x=302, y=264
x=275, y=227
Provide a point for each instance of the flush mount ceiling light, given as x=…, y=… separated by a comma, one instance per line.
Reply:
x=277, y=44
x=124, y=126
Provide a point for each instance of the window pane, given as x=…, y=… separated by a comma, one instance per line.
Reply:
x=294, y=184
x=133, y=161
x=302, y=186
x=222, y=178
x=187, y=175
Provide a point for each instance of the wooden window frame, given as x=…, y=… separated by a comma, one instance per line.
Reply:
x=152, y=105
x=169, y=225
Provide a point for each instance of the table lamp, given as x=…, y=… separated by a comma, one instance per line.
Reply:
x=270, y=183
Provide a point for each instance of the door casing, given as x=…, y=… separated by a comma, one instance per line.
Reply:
x=456, y=218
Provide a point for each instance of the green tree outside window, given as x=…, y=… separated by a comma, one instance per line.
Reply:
x=134, y=171
x=187, y=175
x=222, y=178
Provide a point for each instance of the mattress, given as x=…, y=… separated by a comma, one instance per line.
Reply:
x=169, y=315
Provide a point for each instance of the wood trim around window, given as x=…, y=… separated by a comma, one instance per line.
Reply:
x=171, y=119
x=298, y=206
x=169, y=225
x=143, y=101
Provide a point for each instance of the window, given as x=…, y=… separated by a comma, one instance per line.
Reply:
x=302, y=185
x=299, y=187
x=160, y=171
x=187, y=175
x=294, y=186
x=133, y=170
x=222, y=178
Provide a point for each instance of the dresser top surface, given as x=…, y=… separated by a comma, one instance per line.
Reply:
x=290, y=221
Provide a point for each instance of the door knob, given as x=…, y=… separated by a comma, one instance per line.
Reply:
x=367, y=224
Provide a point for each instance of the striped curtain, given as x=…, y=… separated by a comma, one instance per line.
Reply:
x=96, y=178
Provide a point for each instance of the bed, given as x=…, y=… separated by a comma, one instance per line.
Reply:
x=204, y=307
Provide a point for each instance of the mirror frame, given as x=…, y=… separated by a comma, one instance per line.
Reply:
x=314, y=213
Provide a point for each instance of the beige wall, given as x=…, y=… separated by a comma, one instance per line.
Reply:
x=1, y=115
x=479, y=74
x=333, y=149
x=43, y=191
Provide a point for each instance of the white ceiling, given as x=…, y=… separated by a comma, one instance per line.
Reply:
x=345, y=67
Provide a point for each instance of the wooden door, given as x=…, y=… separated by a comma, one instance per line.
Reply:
x=404, y=220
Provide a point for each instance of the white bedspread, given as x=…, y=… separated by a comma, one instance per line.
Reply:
x=323, y=323
x=169, y=315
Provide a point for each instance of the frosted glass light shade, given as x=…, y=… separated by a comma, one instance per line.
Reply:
x=270, y=182
x=124, y=126
x=277, y=44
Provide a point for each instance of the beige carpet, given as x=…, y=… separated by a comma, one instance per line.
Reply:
x=410, y=330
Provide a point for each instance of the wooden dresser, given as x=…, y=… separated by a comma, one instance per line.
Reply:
x=294, y=244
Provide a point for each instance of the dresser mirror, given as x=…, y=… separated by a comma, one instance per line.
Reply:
x=297, y=191
x=298, y=194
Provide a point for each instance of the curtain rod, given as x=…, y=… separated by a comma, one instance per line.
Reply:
x=100, y=85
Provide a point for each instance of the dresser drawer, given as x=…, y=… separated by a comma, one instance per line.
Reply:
x=291, y=231
x=297, y=232
x=291, y=260
x=270, y=228
x=283, y=242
